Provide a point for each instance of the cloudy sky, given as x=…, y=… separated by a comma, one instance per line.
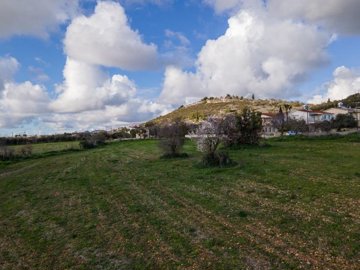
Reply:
x=84, y=64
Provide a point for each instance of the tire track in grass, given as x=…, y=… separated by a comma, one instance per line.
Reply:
x=159, y=249
x=290, y=239
x=174, y=221
x=263, y=235
x=258, y=243
x=271, y=205
x=208, y=220
x=20, y=170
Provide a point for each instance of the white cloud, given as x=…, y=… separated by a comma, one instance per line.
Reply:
x=8, y=67
x=86, y=87
x=346, y=82
x=105, y=38
x=34, y=17
x=340, y=16
x=38, y=74
x=336, y=16
x=178, y=51
x=88, y=98
x=223, y=5
x=135, y=110
x=258, y=54
x=143, y=2
x=18, y=101
x=184, y=41
x=22, y=101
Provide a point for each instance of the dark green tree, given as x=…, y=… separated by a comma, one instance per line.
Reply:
x=243, y=128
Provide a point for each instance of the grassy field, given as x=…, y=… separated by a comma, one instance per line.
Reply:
x=41, y=148
x=292, y=205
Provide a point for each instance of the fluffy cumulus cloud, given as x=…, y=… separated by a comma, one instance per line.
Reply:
x=257, y=54
x=135, y=110
x=346, y=82
x=19, y=101
x=105, y=38
x=89, y=98
x=340, y=16
x=86, y=87
x=34, y=17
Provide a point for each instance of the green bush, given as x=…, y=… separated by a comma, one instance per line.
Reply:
x=172, y=139
x=93, y=140
x=6, y=153
x=217, y=159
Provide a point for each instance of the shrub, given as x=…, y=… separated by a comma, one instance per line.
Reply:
x=217, y=159
x=299, y=126
x=172, y=139
x=210, y=135
x=93, y=140
x=344, y=121
x=324, y=126
x=6, y=153
x=242, y=128
x=26, y=150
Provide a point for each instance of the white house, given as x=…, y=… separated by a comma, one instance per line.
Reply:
x=311, y=117
x=343, y=110
x=267, y=123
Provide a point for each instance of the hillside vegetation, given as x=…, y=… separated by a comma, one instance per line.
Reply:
x=219, y=107
x=352, y=101
x=292, y=205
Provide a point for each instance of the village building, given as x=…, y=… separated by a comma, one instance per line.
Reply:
x=310, y=116
x=343, y=110
x=267, y=123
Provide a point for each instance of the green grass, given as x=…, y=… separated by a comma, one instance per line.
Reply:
x=292, y=205
x=41, y=148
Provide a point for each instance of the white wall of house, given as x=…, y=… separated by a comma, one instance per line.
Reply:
x=311, y=117
x=301, y=115
x=353, y=112
x=337, y=111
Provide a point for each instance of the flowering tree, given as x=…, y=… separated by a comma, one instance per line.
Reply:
x=210, y=135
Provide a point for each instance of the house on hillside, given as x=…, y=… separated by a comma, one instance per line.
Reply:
x=343, y=110
x=310, y=116
x=267, y=123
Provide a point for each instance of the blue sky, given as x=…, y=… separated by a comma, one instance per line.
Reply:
x=80, y=64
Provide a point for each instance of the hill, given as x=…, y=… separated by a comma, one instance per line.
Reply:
x=220, y=106
x=231, y=104
x=286, y=206
x=352, y=101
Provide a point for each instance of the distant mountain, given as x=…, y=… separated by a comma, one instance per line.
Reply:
x=198, y=111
